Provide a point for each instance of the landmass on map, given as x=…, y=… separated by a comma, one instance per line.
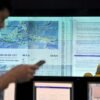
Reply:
x=30, y=35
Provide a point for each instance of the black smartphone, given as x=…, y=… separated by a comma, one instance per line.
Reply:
x=41, y=62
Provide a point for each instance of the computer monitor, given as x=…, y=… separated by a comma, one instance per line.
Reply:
x=52, y=90
x=9, y=93
x=61, y=88
x=93, y=89
x=46, y=88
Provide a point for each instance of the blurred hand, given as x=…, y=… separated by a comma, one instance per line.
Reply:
x=19, y=74
x=23, y=73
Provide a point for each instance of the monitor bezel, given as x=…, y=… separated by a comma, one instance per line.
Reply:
x=53, y=80
x=80, y=86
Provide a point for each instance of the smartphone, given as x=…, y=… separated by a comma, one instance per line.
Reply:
x=40, y=63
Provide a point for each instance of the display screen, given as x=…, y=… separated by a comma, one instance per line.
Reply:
x=69, y=45
x=53, y=91
x=8, y=93
x=94, y=91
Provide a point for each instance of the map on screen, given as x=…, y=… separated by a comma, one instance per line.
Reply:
x=30, y=34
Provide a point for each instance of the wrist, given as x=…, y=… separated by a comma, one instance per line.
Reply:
x=10, y=77
x=5, y=80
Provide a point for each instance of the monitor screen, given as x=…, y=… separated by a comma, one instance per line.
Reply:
x=9, y=93
x=53, y=91
x=94, y=91
x=69, y=45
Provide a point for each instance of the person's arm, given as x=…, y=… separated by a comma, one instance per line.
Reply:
x=19, y=74
x=5, y=80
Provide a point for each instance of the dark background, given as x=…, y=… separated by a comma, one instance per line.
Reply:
x=55, y=4
x=56, y=7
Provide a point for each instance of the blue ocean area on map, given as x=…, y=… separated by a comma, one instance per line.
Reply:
x=30, y=35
